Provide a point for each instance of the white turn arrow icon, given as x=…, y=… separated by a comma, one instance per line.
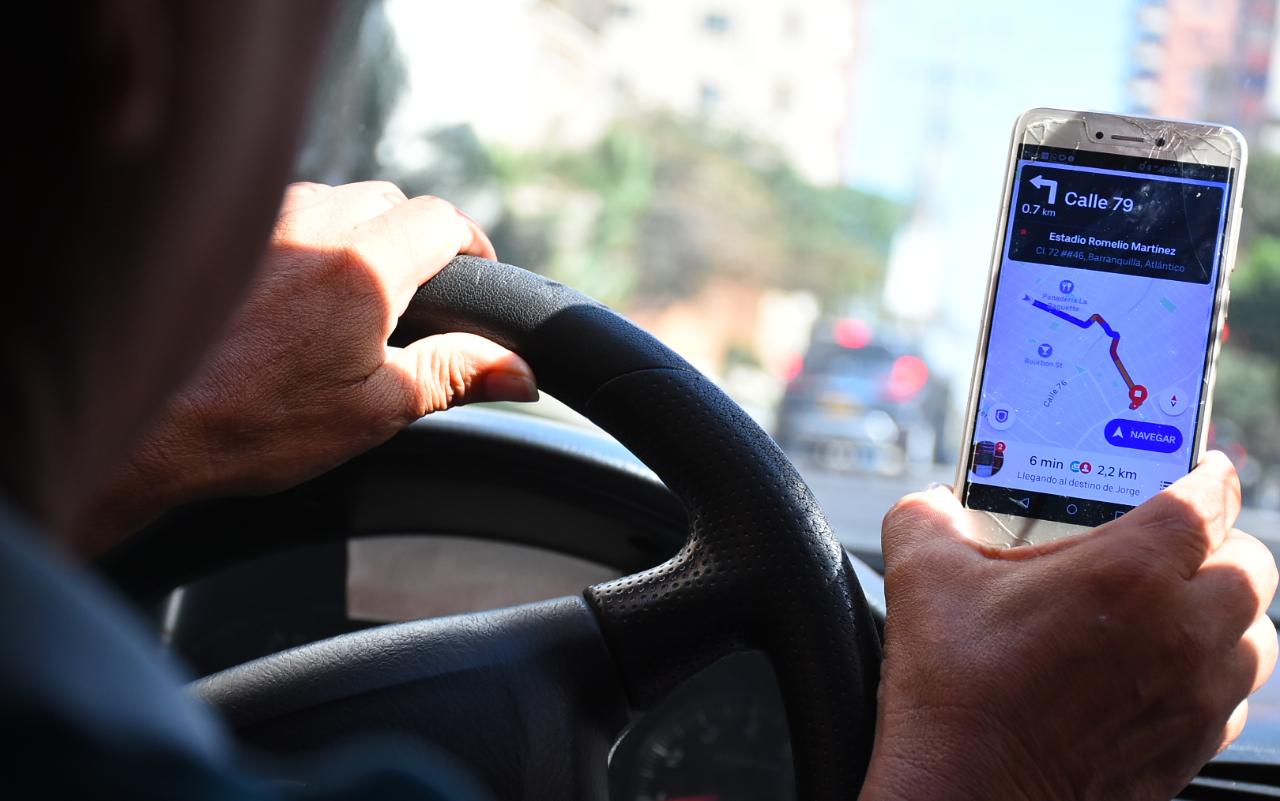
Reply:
x=1040, y=182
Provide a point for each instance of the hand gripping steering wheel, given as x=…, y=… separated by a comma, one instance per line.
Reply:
x=531, y=698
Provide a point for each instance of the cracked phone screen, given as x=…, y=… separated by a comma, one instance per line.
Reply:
x=1101, y=335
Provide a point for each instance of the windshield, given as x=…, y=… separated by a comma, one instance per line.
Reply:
x=800, y=197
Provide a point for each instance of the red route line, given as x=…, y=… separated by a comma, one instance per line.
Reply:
x=1137, y=392
x=1115, y=355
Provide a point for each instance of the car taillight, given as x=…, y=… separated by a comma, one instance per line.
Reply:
x=907, y=377
x=852, y=334
x=793, y=368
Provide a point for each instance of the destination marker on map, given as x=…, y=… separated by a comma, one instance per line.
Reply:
x=1137, y=394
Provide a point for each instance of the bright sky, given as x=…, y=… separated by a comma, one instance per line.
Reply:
x=972, y=67
x=939, y=85
x=937, y=88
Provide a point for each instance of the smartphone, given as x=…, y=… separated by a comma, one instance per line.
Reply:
x=1103, y=320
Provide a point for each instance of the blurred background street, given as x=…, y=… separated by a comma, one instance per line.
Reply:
x=799, y=196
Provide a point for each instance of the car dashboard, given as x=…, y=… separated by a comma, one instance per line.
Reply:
x=722, y=736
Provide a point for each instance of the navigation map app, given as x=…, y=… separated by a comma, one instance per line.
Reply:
x=1090, y=395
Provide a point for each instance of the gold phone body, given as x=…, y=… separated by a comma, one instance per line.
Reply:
x=1169, y=140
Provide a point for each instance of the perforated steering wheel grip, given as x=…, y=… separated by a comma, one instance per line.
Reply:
x=760, y=569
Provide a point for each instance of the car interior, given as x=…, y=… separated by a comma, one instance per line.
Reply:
x=641, y=596
x=286, y=608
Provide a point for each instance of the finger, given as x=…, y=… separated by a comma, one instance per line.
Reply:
x=447, y=370
x=315, y=215
x=484, y=247
x=1237, y=582
x=349, y=205
x=1187, y=521
x=300, y=194
x=408, y=244
x=1235, y=725
x=920, y=520
x=1255, y=654
x=296, y=207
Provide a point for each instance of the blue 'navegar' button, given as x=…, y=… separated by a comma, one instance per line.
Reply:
x=1143, y=436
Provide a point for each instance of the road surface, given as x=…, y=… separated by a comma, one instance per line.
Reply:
x=856, y=502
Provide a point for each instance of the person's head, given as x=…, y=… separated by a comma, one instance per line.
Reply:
x=149, y=141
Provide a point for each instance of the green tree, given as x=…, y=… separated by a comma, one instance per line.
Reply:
x=1255, y=294
x=1248, y=392
x=678, y=203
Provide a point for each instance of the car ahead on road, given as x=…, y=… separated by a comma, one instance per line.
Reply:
x=863, y=401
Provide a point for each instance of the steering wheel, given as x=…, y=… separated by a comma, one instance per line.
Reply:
x=531, y=698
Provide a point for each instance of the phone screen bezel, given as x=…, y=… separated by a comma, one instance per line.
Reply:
x=1191, y=143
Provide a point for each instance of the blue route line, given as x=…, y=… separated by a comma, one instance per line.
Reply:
x=1111, y=332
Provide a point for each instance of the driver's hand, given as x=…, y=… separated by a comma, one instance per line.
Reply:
x=1105, y=666
x=304, y=379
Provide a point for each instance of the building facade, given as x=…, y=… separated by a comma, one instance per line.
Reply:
x=780, y=70
x=1203, y=59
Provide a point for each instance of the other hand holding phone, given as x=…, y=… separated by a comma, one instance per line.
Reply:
x=1109, y=665
x=1108, y=291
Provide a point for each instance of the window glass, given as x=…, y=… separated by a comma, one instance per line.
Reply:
x=800, y=195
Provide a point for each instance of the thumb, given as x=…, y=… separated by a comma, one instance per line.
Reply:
x=446, y=370
x=924, y=521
